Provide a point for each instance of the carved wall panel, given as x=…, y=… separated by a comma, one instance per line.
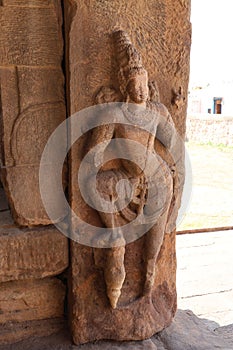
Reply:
x=32, y=105
x=32, y=100
x=160, y=32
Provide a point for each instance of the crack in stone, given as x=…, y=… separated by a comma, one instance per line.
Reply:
x=216, y=312
x=201, y=295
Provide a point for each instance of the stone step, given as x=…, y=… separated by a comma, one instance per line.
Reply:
x=12, y=332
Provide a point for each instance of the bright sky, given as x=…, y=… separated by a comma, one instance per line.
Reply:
x=212, y=41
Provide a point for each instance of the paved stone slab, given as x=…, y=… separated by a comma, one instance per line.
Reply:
x=62, y=342
x=217, y=306
x=226, y=332
x=188, y=332
x=204, y=275
x=141, y=345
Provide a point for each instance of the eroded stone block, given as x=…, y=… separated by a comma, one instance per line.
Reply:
x=25, y=3
x=30, y=253
x=22, y=301
x=30, y=36
x=13, y=332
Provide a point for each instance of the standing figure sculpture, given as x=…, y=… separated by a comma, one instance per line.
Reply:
x=151, y=179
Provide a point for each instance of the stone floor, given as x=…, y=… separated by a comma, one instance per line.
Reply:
x=205, y=275
x=187, y=332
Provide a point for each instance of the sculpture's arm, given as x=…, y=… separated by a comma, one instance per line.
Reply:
x=168, y=136
x=100, y=137
x=166, y=128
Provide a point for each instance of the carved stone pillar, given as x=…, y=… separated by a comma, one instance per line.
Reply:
x=32, y=102
x=158, y=31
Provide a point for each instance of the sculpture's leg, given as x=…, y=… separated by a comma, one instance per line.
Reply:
x=114, y=273
x=153, y=243
x=114, y=269
x=155, y=236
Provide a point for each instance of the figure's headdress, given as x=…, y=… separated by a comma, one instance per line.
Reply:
x=129, y=60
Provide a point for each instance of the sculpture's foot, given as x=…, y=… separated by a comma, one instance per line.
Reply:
x=114, y=295
x=151, y=270
x=147, y=288
x=114, y=274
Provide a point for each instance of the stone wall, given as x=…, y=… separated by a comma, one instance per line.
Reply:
x=32, y=100
x=204, y=128
x=31, y=296
x=32, y=104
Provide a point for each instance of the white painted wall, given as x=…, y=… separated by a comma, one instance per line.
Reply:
x=200, y=100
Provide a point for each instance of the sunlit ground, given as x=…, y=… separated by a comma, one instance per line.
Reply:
x=212, y=196
x=204, y=275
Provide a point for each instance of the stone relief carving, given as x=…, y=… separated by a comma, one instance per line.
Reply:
x=178, y=98
x=141, y=105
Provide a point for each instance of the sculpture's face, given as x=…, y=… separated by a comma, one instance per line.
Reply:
x=138, y=89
